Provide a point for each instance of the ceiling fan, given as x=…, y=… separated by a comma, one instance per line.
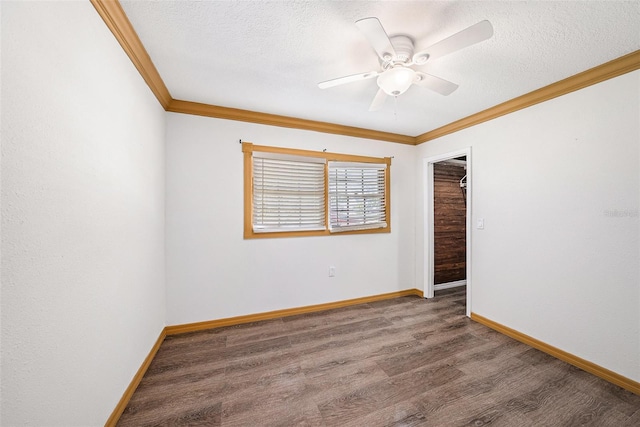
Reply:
x=396, y=57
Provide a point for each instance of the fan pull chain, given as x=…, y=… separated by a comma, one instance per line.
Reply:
x=395, y=108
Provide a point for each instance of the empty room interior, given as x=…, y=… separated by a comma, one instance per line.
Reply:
x=465, y=192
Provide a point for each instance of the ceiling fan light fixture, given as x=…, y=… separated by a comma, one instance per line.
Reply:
x=395, y=81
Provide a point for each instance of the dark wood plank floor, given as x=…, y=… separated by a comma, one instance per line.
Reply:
x=401, y=362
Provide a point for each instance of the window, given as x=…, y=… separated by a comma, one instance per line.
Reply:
x=288, y=193
x=357, y=196
x=307, y=193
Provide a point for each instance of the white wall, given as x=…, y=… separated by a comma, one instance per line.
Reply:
x=213, y=273
x=83, y=221
x=558, y=186
x=82, y=216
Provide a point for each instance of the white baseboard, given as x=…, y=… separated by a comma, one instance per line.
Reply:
x=449, y=285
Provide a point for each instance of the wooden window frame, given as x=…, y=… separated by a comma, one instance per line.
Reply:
x=248, y=149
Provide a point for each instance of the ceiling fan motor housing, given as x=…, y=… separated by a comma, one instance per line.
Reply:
x=403, y=46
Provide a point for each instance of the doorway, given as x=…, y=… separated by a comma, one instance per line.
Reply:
x=447, y=219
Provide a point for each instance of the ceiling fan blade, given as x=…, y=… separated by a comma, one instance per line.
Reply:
x=481, y=31
x=436, y=84
x=378, y=100
x=347, y=79
x=377, y=36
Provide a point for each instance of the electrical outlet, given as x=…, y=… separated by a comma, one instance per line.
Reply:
x=332, y=271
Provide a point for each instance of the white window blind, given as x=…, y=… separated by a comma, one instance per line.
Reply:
x=356, y=196
x=288, y=193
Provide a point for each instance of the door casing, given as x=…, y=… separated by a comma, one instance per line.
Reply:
x=429, y=286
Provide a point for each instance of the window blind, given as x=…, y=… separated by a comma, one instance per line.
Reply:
x=288, y=193
x=356, y=196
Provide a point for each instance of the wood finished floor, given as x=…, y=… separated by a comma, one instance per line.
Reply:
x=401, y=362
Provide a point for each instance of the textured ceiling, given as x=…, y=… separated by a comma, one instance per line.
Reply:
x=268, y=56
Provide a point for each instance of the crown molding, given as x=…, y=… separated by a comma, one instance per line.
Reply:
x=113, y=15
x=195, y=108
x=606, y=71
